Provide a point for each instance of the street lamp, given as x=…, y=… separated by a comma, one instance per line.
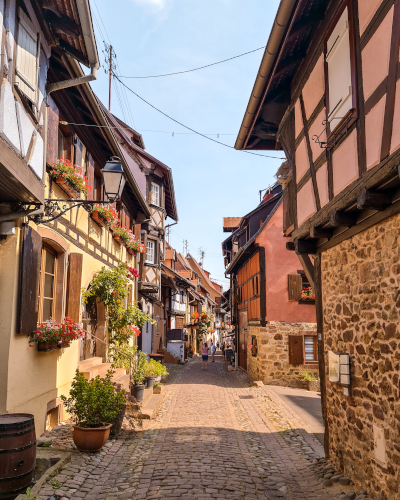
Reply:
x=114, y=182
x=114, y=179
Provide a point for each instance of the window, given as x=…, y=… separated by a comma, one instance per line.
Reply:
x=340, y=90
x=310, y=349
x=47, y=285
x=150, y=255
x=27, y=64
x=155, y=194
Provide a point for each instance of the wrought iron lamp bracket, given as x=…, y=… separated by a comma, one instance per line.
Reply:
x=54, y=208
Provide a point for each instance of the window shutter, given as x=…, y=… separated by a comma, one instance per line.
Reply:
x=294, y=286
x=287, y=206
x=179, y=322
x=339, y=71
x=74, y=286
x=52, y=131
x=90, y=176
x=27, y=56
x=296, y=356
x=138, y=227
x=199, y=307
x=31, y=256
x=130, y=294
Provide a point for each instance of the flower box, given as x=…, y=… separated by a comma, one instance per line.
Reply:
x=47, y=346
x=66, y=186
x=131, y=251
x=118, y=238
x=99, y=219
x=64, y=344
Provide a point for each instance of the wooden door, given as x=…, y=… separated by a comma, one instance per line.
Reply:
x=242, y=349
x=89, y=320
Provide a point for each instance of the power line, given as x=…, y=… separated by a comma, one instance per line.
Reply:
x=192, y=130
x=196, y=69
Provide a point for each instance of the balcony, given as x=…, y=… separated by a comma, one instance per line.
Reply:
x=177, y=334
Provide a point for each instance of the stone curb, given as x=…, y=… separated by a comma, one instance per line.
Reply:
x=51, y=472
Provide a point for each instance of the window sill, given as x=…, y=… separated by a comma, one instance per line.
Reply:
x=150, y=264
x=306, y=302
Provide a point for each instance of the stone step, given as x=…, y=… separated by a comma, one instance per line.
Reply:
x=122, y=381
x=93, y=371
x=86, y=363
x=151, y=406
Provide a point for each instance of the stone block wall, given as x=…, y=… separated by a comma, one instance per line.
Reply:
x=361, y=300
x=271, y=365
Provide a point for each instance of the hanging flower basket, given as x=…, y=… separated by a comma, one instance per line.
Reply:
x=47, y=346
x=66, y=186
x=100, y=220
x=70, y=178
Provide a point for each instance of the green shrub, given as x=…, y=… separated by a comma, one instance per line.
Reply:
x=307, y=376
x=93, y=403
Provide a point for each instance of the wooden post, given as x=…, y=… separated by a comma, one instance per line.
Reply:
x=321, y=346
x=308, y=267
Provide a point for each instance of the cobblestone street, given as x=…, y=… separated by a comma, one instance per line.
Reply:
x=215, y=437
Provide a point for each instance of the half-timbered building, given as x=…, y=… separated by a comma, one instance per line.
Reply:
x=328, y=94
x=267, y=284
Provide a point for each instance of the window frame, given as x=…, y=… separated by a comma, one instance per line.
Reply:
x=47, y=248
x=315, y=344
x=347, y=121
x=153, y=242
x=158, y=204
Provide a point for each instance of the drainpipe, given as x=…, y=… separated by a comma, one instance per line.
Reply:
x=282, y=19
x=91, y=49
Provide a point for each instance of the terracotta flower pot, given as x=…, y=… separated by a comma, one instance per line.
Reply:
x=68, y=187
x=90, y=439
x=46, y=346
x=99, y=219
x=118, y=238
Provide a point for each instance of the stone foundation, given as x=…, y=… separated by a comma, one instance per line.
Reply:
x=271, y=365
x=361, y=300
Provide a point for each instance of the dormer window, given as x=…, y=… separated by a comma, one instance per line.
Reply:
x=155, y=194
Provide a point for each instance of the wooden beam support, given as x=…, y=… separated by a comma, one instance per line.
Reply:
x=290, y=246
x=305, y=247
x=308, y=267
x=64, y=24
x=342, y=219
x=317, y=232
x=367, y=198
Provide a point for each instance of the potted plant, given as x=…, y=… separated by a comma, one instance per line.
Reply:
x=312, y=383
x=122, y=234
x=70, y=178
x=105, y=215
x=93, y=404
x=152, y=371
x=134, y=246
x=138, y=375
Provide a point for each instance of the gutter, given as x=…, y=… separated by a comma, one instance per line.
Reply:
x=281, y=22
x=85, y=18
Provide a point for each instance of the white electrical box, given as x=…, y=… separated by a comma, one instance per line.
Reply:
x=379, y=446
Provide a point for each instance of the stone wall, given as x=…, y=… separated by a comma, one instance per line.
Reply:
x=271, y=365
x=361, y=300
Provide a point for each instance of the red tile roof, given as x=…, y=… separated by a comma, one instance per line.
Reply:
x=231, y=223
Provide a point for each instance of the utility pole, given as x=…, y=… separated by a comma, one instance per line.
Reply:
x=168, y=231
x=202, y=254
x=110, y=72
x=109, y=67
x=185, y=247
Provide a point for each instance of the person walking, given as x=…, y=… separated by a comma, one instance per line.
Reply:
x=204, y=356
x=229, y=355
x=213, y=349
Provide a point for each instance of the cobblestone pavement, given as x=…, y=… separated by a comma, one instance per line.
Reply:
x=214, y=437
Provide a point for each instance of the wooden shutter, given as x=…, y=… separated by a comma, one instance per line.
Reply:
x=294, y=286
x=74, y=286
x=288, y=218
x=91, y=181
x=179, y=322
x=27, y=56
x=130, y=294
x=31, y=256
x=199, y=307
x=339, y=71
x=296, y=356
x=52, y=131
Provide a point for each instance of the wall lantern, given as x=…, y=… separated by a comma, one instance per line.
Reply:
x=114, y=182
x=114, y=179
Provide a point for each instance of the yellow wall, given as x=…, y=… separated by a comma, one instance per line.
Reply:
x=30, y=379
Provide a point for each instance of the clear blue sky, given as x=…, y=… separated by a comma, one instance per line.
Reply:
x=153, y=37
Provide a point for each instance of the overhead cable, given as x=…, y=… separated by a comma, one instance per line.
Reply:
x=192, y=130
x=196, y=69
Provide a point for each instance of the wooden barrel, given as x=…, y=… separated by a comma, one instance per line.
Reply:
x=17, y=453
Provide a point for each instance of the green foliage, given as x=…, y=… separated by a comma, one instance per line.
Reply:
x=307, y=376
x=111, y=286
x=121, y=358
x=121, y=318
x=93, y=403
x=140, y=368
x=55, y=484
x=28, y=495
